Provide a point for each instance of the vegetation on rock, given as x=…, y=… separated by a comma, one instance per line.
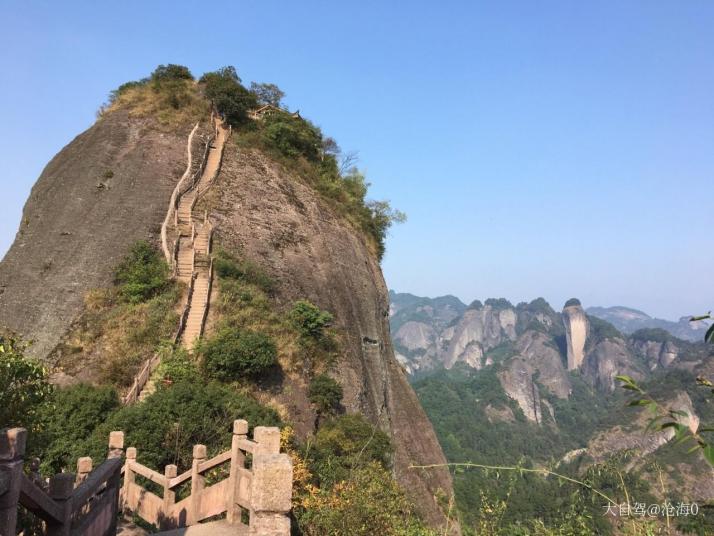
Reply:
x=122, y=326
x=233, y=354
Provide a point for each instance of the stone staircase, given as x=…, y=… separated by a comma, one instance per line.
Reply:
x=194, y=245
x=193, y=264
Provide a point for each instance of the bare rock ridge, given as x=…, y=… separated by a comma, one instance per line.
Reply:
x=107, y=189
x=278, y=222
x=112, y=185
x=525, y=340
x=576, y=332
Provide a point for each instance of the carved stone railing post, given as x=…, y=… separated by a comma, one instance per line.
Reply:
x=271, y=495
x=170, y=471
x=240, y=433
x=268, y=439
x=12, y=451
x=61, y=487
x=271, y=486
x=129, y=489
x=116, y=445
x=198, y=482
x=84, y=467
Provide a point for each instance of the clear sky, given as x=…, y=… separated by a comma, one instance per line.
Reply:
x=550, y=148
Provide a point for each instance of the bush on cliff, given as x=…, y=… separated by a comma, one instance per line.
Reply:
x=292, y=136
x=311, y=322
x=234, y=354
x=68, y=420
x=142, y=274
x=325, y=393
x=369, y=502
x=167, y=425
x=345, y=443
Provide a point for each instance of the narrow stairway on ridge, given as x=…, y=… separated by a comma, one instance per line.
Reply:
x=194, y=245
x=193, y=255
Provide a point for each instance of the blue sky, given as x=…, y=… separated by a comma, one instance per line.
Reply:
x=550, y=148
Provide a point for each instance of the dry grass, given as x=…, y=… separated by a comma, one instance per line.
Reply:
x=111, y=340
x=177, y=106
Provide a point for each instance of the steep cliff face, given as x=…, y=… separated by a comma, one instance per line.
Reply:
x=269, y=217
x=576, y=333
x=108, y=188
x=657, y=353
x=112, y=185
x=537, y=348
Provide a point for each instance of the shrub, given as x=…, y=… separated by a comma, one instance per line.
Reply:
x=223, y=87
x=309, y=320
x=142, y=274
x=171, y=71
x=233, y=354
x=325, y=393
x=68, y=420
x=169, y=422
x=368, y=502
x=293, y=136
x=23, y=385
x=344, y=443
x=601, y=329
x=177, y=367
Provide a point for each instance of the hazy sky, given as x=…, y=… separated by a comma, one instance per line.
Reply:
x=550, y=148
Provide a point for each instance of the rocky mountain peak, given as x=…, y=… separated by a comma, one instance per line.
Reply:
x=576, y=332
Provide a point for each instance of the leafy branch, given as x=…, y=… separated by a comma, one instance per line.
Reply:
x=521, y=470
x=664, y=418
x=709, y=335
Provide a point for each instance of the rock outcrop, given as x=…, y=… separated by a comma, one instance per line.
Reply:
x=111, y=186
x=107, y=189
x=517, y=381
x=657, y=353
x=607, y=359
x=278, y=222
x=537, y=349
x=576, y=332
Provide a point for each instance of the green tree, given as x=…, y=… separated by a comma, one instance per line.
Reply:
x=171, y=421
x=267, y=94
x=382, y=217
x=368, y=502
x=171, y=71
x=345, y=443
x=23, y=385
x=325, y=393
x=223, y=87
x=293, y=136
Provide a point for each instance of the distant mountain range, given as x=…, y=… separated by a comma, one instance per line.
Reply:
x=503, y=383
x=630, y=320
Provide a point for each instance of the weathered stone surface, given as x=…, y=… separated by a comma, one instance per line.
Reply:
x=80, y=221
x=264, y=524
x=657, y=353
x=607, y=359
x=107, y=189
x=271, y=488
x=275, y=220
x=537, y=348
x=576, y=333
x=268, y=439
x=517, y=381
